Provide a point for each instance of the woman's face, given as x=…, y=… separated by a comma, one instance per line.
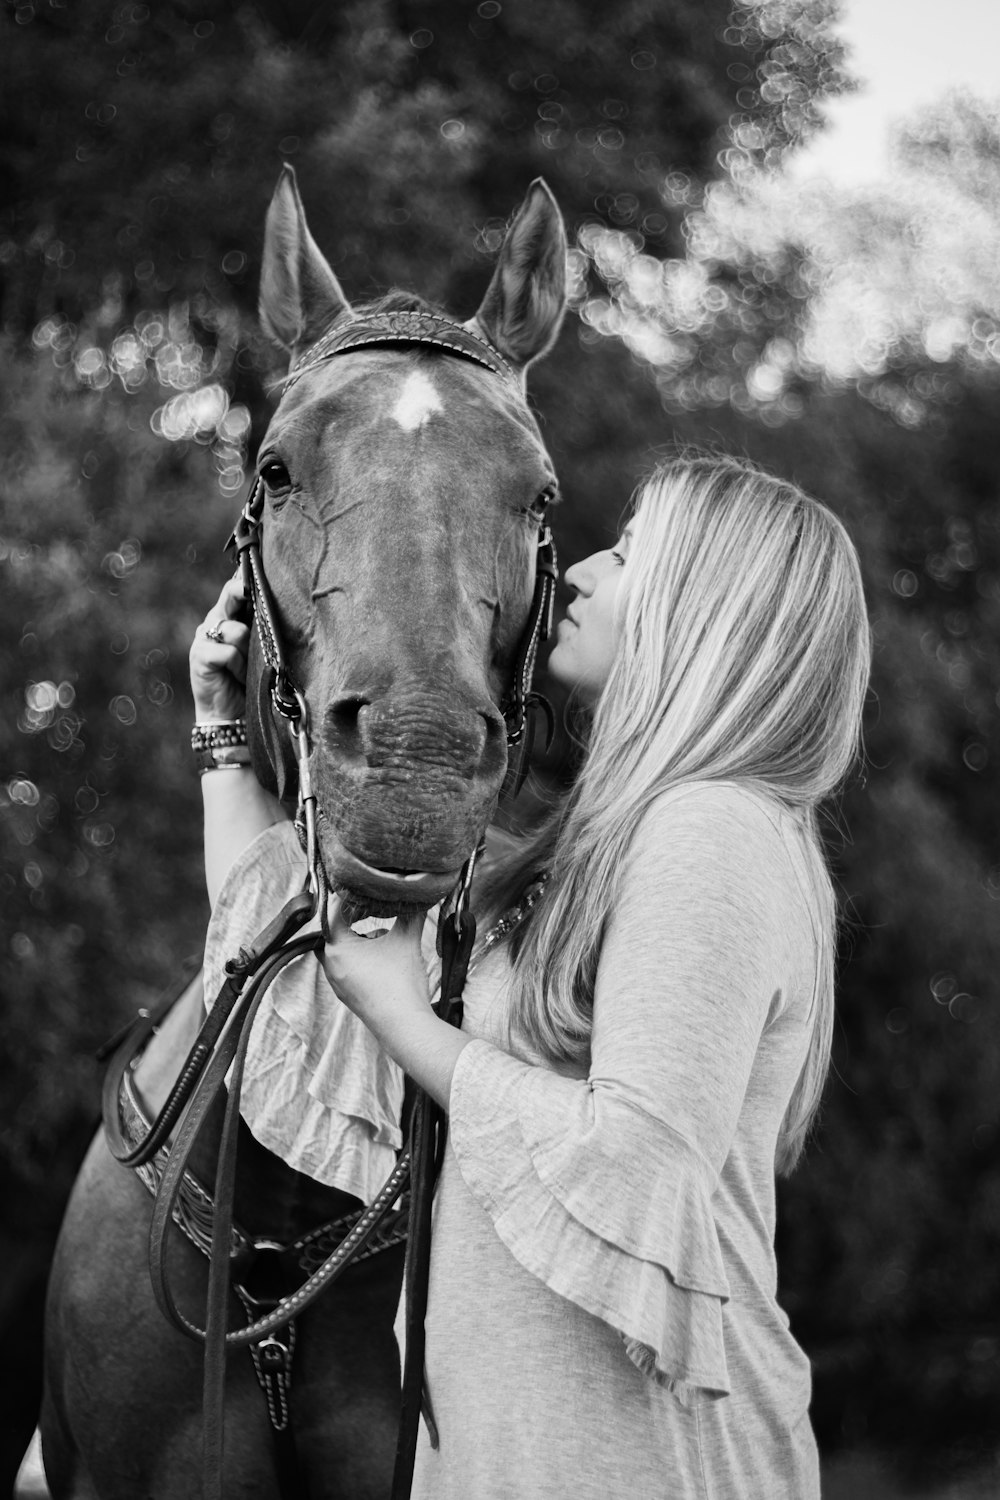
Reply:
x=588, y=635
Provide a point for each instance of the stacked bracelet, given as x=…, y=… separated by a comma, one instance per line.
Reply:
x=219, y=732
x=220, y=746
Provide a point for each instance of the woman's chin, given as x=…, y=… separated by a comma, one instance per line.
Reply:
x=558, y=667
x=561, y=671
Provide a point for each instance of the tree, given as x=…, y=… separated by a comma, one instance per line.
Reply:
x=143, y=142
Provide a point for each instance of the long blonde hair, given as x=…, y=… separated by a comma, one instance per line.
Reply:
x=744, y=654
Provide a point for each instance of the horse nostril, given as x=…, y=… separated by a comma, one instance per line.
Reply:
x=494, y=745
x=342, y=727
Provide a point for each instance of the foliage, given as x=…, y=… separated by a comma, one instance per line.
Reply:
x=787, y=284
x=101, y=594
x=136, y=144
x=142, y=142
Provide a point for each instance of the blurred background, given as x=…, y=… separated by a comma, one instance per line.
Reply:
x=835, y=315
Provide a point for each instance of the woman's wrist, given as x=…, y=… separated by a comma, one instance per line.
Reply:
x=220, y=745
x=237, y=810
x=425, y=1047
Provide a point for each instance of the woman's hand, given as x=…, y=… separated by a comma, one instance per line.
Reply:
x=218, y=659
x=237, y=808
x=384, y=982
x=377, y=976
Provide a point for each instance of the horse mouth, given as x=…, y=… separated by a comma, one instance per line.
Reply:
x=380, y=891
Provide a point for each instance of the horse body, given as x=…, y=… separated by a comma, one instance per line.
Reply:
x=402, y=491
x=122, y=1409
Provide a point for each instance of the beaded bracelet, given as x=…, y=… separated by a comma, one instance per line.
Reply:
x=216, y=733
x=220, y=746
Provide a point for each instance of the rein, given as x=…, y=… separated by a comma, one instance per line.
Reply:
x=221, y=1046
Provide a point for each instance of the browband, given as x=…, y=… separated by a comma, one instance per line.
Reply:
x=400, y=330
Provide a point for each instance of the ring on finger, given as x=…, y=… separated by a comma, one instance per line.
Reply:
x=214, y=632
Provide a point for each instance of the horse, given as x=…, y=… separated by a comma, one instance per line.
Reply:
x=398, y=516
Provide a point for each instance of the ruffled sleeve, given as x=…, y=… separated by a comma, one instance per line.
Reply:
x=602, y=1187
x=638, y=1250
x=318, y=1090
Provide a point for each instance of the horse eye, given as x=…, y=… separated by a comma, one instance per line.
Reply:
x=542, y=500
x=275, y=476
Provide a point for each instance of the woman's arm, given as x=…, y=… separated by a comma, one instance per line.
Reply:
x=237, y=808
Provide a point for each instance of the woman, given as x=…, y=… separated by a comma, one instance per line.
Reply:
x=648, y=1040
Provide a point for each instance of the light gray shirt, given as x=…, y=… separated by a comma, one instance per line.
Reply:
x=603, y=1318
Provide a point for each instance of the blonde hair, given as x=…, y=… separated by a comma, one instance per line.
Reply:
x=744, y=654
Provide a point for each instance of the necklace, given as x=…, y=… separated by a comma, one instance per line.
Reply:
x=516, y=914
x=504, y=925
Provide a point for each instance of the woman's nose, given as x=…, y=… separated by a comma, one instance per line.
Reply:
x=577, y=577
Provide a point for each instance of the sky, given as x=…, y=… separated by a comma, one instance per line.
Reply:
x=905, y=53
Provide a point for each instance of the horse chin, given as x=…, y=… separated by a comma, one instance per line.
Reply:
x=356, y=905
x=372, y=891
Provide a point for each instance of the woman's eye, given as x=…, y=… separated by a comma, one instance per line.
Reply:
x=619, y=557
x=275, y=476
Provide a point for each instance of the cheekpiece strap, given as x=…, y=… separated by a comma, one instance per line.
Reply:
x=401, y=330
x=538, y=629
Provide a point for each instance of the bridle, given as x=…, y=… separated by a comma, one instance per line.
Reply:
x=219, y=1053
x=388, y=330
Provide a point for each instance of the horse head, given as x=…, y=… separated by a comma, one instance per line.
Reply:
x=399, y=502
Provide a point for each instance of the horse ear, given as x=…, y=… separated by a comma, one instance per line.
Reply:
x=524, y=302
x=299, y=294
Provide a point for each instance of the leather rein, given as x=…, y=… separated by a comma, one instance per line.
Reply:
x=221, y=1046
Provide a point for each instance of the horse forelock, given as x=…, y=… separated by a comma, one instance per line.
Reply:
x=396, y=300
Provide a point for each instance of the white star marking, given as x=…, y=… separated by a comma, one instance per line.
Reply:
x=418, y=400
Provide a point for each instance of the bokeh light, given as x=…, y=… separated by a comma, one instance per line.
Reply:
x=786, y=283
x=167, y=349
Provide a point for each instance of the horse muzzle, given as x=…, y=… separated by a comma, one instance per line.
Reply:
x=371, y=891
